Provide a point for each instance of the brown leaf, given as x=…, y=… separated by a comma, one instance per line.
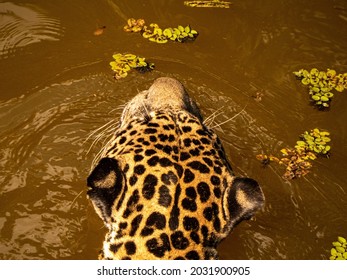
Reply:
x=99, y=31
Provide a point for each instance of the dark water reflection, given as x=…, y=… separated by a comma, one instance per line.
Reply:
x=56, y=88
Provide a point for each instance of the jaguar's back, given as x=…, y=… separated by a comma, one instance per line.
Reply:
x=163, y=186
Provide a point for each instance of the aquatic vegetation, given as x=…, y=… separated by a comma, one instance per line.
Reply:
x=179, y=34
x=297, y=163
x=208, y=4
x=297, y=160
x=134, y=25
x=155, y=34
x=339, y=251
x=123, y=63
x=321, y=84
x=314, y=141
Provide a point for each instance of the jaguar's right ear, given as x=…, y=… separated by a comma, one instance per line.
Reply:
x=105, y=184
x=241, y=200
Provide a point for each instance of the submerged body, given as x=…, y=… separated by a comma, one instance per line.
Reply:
x=163, y=186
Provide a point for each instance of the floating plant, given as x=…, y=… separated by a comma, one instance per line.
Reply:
x=315, y=141
x=123, y=63
x=208, y=4
x=155, y=34
x=321, y=84
x=339, y=251
x=297, y=160
x=134, y=25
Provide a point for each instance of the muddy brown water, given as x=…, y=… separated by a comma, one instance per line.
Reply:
x=56, y=88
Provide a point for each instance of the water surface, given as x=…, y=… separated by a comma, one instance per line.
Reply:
x=57, y=88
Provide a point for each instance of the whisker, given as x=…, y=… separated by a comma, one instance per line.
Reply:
x=106, y=143
x=96, y=130
x=97, y=138
x=102, y=152
x=212, y=117
x=147, y=113
x=119, y=107
x=107, y=127
x=110, y=126
x=228, y=120
x=73, y=202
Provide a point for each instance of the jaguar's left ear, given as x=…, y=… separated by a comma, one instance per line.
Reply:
x=105, y=184
x=241, y=200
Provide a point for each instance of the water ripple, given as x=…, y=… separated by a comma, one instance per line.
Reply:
x=21, y=26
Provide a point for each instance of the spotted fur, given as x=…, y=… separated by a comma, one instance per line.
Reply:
x=163, y=186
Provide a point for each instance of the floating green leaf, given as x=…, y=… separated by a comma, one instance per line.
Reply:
x=155, y=34
x=134, y=25
x=168, y=32
x=339, y=88
x=208, y=4
x=342, y=240
x=306, y=81
x=297, y=160
x=339, y=251
x=123, y=63
x=315, y=97
x=321, y=84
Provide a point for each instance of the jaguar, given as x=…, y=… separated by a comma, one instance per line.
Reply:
x=163, y=185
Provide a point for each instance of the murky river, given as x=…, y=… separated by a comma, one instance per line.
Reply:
x=56, y=88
